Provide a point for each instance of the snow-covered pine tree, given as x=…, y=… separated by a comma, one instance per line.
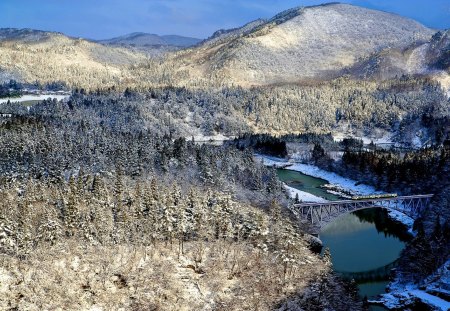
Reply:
x=101, y=212
x=71, y=212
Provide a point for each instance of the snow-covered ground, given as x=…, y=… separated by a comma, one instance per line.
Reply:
x=386, y=138
x=349, y=185
x=311, y=170
x=218, y=137
x=304, y=196
x=403, y=294
x=25, y=98
x=377, y=136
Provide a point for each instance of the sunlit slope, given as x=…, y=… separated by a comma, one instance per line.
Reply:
x=305, y=43
x=30, y=55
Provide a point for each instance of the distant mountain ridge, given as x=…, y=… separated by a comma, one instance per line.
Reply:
x=29, y=55
x=141, y=39
x=26, y=34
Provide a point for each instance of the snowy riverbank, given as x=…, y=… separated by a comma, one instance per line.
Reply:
x=406, y=294
x=345, y=184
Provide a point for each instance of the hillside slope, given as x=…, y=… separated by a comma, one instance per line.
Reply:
x=31, y=55
x=305, y=43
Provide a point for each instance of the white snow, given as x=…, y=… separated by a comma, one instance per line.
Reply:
x=304, y=196
x=311, y=170
x=333, y=178
x=404, y=219
x=378, y=137
x=32, y=97
x=272, y=161
x=416, y=142
x=217, y=137
x=401, y=295
x=430, y=299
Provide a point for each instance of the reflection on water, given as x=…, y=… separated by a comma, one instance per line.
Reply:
x=347, y=225
x=357, y=246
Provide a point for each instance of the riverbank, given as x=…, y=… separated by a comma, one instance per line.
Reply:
x=363, y=245
x=405, y=294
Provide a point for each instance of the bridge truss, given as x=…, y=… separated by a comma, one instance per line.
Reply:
x=320, y=214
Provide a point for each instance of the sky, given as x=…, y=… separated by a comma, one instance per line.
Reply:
x=102, y=19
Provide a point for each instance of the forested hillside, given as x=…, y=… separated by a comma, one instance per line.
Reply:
x=97, y=201
x=32, y=55
x=406, y=107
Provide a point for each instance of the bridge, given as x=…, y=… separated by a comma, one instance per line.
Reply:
x=320, y=214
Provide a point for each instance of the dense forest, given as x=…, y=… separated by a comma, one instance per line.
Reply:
x=405, y=106
x=410, y=107
x=11, y=89
x=98, y=196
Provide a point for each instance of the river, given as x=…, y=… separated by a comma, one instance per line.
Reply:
x=364, y=245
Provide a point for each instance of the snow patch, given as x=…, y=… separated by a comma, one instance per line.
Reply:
x=303, y=196
x=406, y=295
x=333, y=178
x=5, y=280
x=25, y=98
x=206, y=138
x=345, y=183
x=402, y=294
x=404, y=219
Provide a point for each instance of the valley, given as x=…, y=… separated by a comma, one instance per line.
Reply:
x=152, y=171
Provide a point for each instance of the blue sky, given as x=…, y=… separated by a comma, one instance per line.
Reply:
x=100, y=19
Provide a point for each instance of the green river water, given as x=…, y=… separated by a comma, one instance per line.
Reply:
x=364, y=245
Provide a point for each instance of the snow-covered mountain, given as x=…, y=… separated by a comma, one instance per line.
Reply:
x=303, y=43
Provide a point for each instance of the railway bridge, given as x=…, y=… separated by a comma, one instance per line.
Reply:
x=320, y=214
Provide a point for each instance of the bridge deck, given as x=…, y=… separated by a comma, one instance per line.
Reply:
x=319, y=214
x=405, y=197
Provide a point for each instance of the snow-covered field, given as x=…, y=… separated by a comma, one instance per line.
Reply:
x=386, y=138
x=25, y=98
x=218, y=137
